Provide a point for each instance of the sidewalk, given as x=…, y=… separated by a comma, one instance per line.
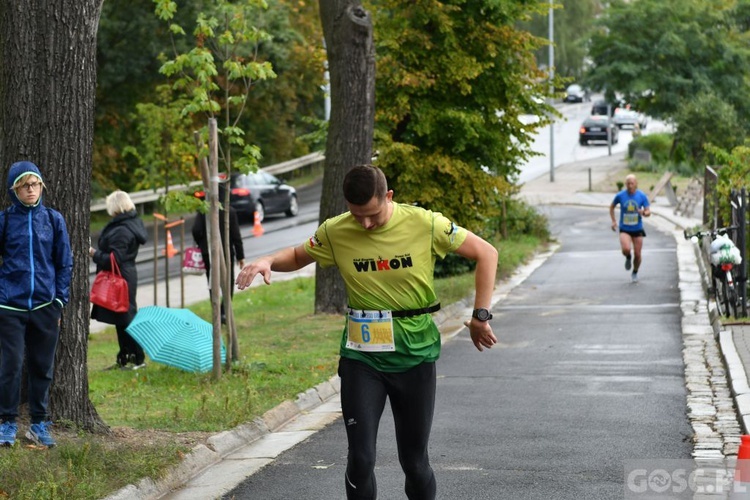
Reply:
x=233, y=455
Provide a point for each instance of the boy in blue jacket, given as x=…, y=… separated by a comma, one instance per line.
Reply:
x=34, y=287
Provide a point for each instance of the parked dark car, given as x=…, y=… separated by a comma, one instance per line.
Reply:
x=260, y=192
x=263, y=193
x=594, y=128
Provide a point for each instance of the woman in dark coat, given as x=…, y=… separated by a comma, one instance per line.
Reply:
x=122, y=236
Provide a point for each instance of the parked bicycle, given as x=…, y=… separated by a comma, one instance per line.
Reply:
x=723, y=256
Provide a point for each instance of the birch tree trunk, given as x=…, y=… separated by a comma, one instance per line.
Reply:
x=47, y=91
x=348, y=32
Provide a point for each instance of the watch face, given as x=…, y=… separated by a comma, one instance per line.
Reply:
x=482, y=314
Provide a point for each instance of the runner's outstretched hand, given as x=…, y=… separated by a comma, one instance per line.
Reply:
x=261, y=266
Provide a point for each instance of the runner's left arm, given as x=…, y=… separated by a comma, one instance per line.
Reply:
x=485, y=255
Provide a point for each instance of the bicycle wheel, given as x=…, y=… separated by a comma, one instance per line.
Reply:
x=722, y=295
x=733, y=301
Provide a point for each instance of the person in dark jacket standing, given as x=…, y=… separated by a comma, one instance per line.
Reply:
x=236, y=249
x=122, y=236
x=34, y=288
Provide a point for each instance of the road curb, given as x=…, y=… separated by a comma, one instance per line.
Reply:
x=737, y=377
x=736, y=373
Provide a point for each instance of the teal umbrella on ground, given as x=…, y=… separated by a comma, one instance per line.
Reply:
x=175, y=337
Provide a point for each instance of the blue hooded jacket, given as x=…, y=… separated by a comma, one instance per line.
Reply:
x=37, y=260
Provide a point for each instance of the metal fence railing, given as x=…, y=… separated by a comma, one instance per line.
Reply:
x=710, y=196
x=151, y=195
x=738, y=202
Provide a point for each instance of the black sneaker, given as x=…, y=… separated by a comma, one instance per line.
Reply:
x=628, y=263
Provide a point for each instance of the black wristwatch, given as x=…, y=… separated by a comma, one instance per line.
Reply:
x=481, y=314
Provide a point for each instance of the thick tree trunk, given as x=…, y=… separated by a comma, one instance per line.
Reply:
x=348, y=32
x=47, y=91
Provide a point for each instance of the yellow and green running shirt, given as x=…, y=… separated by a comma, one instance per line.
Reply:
x=390, y=268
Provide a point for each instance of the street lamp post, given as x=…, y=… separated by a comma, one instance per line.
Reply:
x=551, y=91
x=609, y=129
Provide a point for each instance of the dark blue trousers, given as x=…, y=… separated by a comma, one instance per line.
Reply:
x=35, y=332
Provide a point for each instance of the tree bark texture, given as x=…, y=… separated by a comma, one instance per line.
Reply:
x=47, y=91
x=348, y=32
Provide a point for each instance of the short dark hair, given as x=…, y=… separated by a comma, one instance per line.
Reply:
x=364, y=182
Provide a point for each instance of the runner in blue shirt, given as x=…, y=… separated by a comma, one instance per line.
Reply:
x=634, y=206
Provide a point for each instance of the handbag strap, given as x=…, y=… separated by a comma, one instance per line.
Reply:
x=113, y=264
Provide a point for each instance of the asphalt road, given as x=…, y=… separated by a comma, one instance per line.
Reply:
x=588, y=373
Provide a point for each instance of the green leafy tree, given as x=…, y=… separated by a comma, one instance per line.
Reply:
x=165, y=154
x=129, y=40
x=217, y=73
x=454, y=80
x=283, y=109
x=734, y=174
x=680, y=60
x=655, y=53
x=573, y=22
x=704, y=120
x=129, y=43
x=214, y=78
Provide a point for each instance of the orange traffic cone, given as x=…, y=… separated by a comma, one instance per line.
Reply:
x=170, y=251
x=741, y=486
x=257, y=228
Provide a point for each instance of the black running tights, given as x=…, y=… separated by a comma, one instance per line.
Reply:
x=412, y=397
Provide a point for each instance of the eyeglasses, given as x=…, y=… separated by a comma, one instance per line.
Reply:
x=31, y=186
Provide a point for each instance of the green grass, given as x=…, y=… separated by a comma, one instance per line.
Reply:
x=284, y=349
x=83, y=468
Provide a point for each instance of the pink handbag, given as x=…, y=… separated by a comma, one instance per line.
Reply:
x=193, y=263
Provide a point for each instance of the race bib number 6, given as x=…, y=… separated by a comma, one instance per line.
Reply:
x=370, y=331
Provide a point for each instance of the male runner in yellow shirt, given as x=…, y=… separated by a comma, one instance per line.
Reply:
x=386, y=252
